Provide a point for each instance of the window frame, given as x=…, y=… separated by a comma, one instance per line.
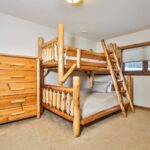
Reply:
x=144, y=71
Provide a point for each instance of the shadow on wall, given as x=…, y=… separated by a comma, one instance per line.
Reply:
x=70, y=40
x=52, y=79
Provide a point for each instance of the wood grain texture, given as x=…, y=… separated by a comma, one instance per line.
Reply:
x=38, y=88
x=86, y=54
x=49, y=43
x=76, y=106
x=17, y=100
x=14, y=63
x=17, y=113
x=70, y=62
x=18, y=88
x=68, y=73
x=60, y=53
x=17, y=76
x=135, y=45
x=58, y=88
x=7, y=89
x=58, y=112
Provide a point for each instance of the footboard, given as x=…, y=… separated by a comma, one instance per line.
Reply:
x=64, y=102
x=58, y=99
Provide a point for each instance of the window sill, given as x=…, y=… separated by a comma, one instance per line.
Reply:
x=137, y=73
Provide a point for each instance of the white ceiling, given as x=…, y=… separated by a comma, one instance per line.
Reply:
x=101, y=18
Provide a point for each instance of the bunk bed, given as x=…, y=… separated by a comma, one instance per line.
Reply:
x=67, y=102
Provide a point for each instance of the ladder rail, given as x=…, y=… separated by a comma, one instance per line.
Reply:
x=114, y=79
x=113, y=47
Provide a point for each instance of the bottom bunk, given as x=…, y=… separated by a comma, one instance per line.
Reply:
x=81, y=110
x=94, y=113
x=95, y=105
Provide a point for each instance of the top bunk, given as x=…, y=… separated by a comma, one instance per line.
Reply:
x=54, y=54
x=85, y=60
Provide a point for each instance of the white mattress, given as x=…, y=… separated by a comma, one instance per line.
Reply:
x=92, y=102
x=84, y=59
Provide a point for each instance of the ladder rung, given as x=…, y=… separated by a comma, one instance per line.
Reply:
x=116, y=70
x=113, y=61
x=111, y=56
x=119, y=81
x=122, y=92
x=109, y=52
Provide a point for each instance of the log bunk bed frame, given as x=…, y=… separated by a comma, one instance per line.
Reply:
x=57, y=99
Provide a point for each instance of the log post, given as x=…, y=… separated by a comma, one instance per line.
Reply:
x=68, y=103
x=40, y=43
x=78, y=57
x=43, y=98
x=46, y=96
x=63, y=101
x=60, y=53
x=38, y=89
x=76, y=106
x=51, y=98
x=130, y=86
x=54, y=98
x=58, y=100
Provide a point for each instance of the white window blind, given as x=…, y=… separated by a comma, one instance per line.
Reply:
x=136, y=54
x=148, y=65
x=133, y=66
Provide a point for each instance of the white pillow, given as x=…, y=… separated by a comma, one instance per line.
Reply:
x=101, y=87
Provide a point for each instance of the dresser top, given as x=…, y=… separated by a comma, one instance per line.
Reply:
x=21, y=56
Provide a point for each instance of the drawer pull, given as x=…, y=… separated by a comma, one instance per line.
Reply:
x=17, y=64
x=17, y=113
x=17, y=76
x=18, y=101
x=17, y=89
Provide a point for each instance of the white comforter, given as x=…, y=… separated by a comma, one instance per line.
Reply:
x=92, y=102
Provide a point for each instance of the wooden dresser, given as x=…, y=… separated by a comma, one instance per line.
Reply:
x=19, y=89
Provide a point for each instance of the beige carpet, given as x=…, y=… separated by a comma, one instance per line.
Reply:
x=53, y=133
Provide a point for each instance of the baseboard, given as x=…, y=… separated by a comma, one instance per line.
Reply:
x=142, y=107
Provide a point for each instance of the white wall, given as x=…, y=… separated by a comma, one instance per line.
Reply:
x=141, y=83
x=18, y=36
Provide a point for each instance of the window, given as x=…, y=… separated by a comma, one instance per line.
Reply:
x=133, y=66
x=137, y=68
x=136, y=59
x=149, y=65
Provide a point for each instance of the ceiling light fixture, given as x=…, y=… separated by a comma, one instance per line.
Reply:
x=84, y=31
x=73, y=1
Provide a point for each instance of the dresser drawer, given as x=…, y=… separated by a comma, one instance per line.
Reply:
x=17, y=76
x=3, y=119
x=16, y=63
x=13, y=114
x=7, y=89
x=17, y=101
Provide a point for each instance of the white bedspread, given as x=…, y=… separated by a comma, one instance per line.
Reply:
x=85, y=59
x=92, y=102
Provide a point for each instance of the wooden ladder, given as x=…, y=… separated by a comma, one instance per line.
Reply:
x=117, y=77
